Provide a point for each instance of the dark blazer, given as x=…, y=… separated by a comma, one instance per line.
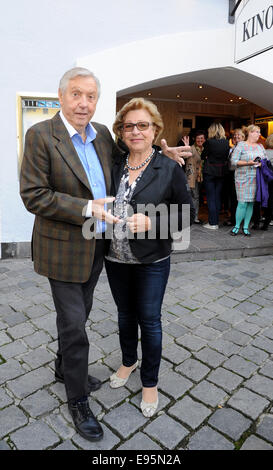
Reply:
x=54, y=187
x=163, y=182
x=215, y=156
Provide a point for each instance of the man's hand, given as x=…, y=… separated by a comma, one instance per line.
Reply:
x=98, y=210
x=139, y=223
x=176, y=153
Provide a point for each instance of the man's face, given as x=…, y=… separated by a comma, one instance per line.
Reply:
x=79, y=101
x=199, y=140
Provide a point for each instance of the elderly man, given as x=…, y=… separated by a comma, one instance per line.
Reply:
x=65, y=176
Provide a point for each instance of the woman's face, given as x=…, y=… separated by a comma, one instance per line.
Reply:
x=254, y=135
x=237, y=137
x=137, y=139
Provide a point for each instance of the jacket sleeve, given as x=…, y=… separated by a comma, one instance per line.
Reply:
x=180, y=200
x=38, y=194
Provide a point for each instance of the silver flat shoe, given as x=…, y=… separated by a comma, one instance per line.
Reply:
x=148, y=409
x=116, y=382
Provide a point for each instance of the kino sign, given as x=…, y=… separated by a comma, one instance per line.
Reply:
x=254, y=29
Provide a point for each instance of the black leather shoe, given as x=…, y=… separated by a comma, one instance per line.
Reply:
x=85, y=422
x=93, y=383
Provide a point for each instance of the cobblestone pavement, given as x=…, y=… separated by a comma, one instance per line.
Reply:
x=216, y=377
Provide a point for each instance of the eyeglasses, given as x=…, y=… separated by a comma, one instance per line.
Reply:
x=141, y=126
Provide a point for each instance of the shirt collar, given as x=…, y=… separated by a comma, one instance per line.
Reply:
x=90, y=130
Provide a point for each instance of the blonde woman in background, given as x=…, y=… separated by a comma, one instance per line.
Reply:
x=215, y=156
x=243, y=158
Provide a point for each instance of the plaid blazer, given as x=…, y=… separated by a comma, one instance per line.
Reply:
x=54, y=187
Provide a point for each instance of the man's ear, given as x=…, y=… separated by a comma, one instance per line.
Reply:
x=60, y=95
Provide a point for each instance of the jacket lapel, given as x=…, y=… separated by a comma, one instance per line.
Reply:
x=67, y=150
x=103, y=155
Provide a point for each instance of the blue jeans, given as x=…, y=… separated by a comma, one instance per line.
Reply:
x=138, y=291
x=213, y=186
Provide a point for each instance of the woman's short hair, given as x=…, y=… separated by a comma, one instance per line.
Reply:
x=216, y=131
x=269, y=142
x=77, y=72
x=135, y=104
x=251, y=128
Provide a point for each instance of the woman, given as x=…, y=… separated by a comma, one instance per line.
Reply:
x=243, y=158
x=237, y=136
x=268, y=211
x=138, y=265
x=193, y=169
x=215, y=156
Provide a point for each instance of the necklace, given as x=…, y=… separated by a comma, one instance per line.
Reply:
x=141, y=165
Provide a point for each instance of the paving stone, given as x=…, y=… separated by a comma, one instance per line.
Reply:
x=261, y=385
x=175, y=330
x=47, y=323
x=230, y=422
x=263, y=343
x=210, y=357
x=5, y=399
x=206, y=333
x=39, y=403
x=4, y=338
x=241, y=366
x=268, y=332
x=248, y=307
x=225, y=379
x=60, y=426
x=267, y=370
x=35, y=436
x=227, y=302
x=66, y=445
x=175, y=385
x=237, y=337
x=110, y=397
x=189, y=320
x=109, y=441
x=175, y=354
x=139, y=442
x=248, y=403
x=265, y=428
x=15, y=318
x=209, y=394
x=254, y=443
x=106, y=327
x=194, y=343
x=38, y=357
x=13, y=349
x=225, y=347
x=125, y=419
x=19, y=331
x=190, y=412
x=31, y=382
x=232, y=316
x=9, y=370
x=253, y=354
x=4, y=446
x=166, y=431
x=37, y=339
x=208, y=439
x=109, y=344
x=204, y=314
x=218, y=324
x=36, y=311
x=11, y=418
x=193, y=369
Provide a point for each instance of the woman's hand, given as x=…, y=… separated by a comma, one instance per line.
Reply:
x=186, y=140
x=139, y=223
x=98, y=210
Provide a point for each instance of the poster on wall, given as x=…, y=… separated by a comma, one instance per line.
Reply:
x=31, y=110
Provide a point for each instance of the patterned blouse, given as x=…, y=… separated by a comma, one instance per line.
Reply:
x=120, y=250
x=245, y=176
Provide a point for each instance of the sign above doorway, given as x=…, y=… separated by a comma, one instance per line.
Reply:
x=254, y=29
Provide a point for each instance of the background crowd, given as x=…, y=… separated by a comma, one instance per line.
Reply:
x=231, y=175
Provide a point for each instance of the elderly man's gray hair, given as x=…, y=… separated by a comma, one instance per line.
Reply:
x=77, y=72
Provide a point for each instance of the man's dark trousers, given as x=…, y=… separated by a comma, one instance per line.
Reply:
x=73, y=302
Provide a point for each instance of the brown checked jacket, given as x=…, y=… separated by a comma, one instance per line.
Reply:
x=54, y=187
